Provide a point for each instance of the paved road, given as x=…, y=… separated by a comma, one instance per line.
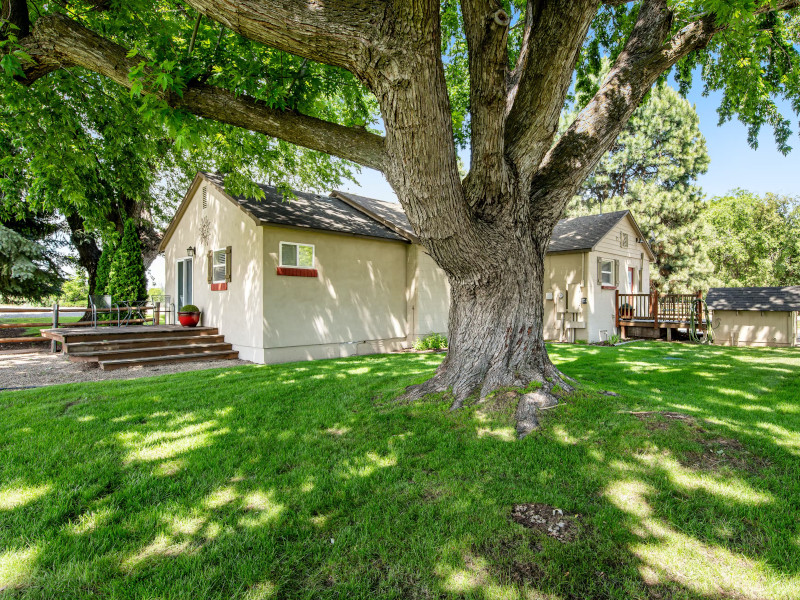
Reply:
x=34, y=315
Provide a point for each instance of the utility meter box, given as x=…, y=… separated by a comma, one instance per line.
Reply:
x=561, y=301
x=575, y=293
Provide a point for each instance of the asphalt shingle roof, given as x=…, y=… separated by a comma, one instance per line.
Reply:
x=389, y=212
x=310, y=210
x=778, y=299
x=331, y=213
x=583, y=233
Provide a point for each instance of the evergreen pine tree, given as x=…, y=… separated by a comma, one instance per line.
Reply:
x=651, y=170
x=127, y=280
x=104, y=266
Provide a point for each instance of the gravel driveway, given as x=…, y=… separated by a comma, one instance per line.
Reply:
x=32, y=368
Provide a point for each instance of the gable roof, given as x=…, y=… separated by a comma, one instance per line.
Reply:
x=390, y=214
x=583, y=233
x=570, y=235
x=304, y=210
x=346, y=213
x=778, y=299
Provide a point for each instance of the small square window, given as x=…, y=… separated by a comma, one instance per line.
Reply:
x=607, y=272
x=218, y=273
x=297, y=255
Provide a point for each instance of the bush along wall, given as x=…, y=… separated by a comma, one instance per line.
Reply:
x=126, y=279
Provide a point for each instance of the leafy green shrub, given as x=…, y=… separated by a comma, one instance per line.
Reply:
x=190, y=308
x=432, y=341
x=104, y=265
x=127, y=280
x=614, y=340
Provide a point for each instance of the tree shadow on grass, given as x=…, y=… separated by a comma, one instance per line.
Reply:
x=294, y=481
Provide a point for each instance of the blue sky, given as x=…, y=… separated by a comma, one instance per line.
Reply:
x=733, y=163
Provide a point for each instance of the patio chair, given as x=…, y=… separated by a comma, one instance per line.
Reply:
x=133, y=310
x=105, y=304
x=166, y=308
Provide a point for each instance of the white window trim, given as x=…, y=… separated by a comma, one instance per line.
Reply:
x=604, y=261
x=280, y=255
x=214, y=265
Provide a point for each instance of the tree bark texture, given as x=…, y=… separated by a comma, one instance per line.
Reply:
x=489, y=232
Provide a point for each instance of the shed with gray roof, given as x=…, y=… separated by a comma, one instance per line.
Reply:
x=755, y=316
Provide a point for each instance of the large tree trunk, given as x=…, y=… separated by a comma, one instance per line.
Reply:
x=86, y=245
x=496, y=336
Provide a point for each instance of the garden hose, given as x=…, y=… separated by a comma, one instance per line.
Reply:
x=693, y=333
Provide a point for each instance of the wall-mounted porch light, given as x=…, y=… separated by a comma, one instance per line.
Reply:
x=190, y=251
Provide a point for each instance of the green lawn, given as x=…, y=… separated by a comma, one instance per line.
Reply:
x=47, y=323
x=306, y=481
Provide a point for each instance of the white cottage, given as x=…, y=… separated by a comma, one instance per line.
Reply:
x=328, y=276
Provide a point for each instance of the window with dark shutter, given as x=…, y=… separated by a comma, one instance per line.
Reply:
x=220, y=268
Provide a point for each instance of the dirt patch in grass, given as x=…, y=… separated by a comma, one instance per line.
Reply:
x=718, y=453
x=547, y=519
x=662, y=420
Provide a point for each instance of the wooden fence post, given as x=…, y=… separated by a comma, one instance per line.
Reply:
x=53, y=343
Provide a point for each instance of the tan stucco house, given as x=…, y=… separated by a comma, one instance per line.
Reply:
x=328, y=276
x=755, y=316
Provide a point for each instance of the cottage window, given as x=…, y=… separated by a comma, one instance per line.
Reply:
x=220, y=261
x=607, y=271
x=297, y=255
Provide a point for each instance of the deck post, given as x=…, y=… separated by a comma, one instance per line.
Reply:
x=616, y=307
x=654, y=308
x=53, y=343
x=157, y=314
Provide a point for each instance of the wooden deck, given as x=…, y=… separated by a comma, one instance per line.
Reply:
x=136, y=345
x=667, y=311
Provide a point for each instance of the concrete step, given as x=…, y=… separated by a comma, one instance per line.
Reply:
x=151, y=342
x=108, y=365
x=148, y=352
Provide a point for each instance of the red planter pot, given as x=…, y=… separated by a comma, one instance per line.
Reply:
x=189, y=319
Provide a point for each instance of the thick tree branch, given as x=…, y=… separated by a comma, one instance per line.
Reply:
x=643, y=59
x=551, y=45
x=335, y=33
x=486, y=29
x=57, y=41
x=648, y=53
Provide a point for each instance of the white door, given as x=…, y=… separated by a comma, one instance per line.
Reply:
x=184, y=280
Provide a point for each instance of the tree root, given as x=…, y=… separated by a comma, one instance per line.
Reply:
x=530, y=403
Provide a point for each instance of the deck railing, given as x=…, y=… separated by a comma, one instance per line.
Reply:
x=658, y=310
x=57, y=311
